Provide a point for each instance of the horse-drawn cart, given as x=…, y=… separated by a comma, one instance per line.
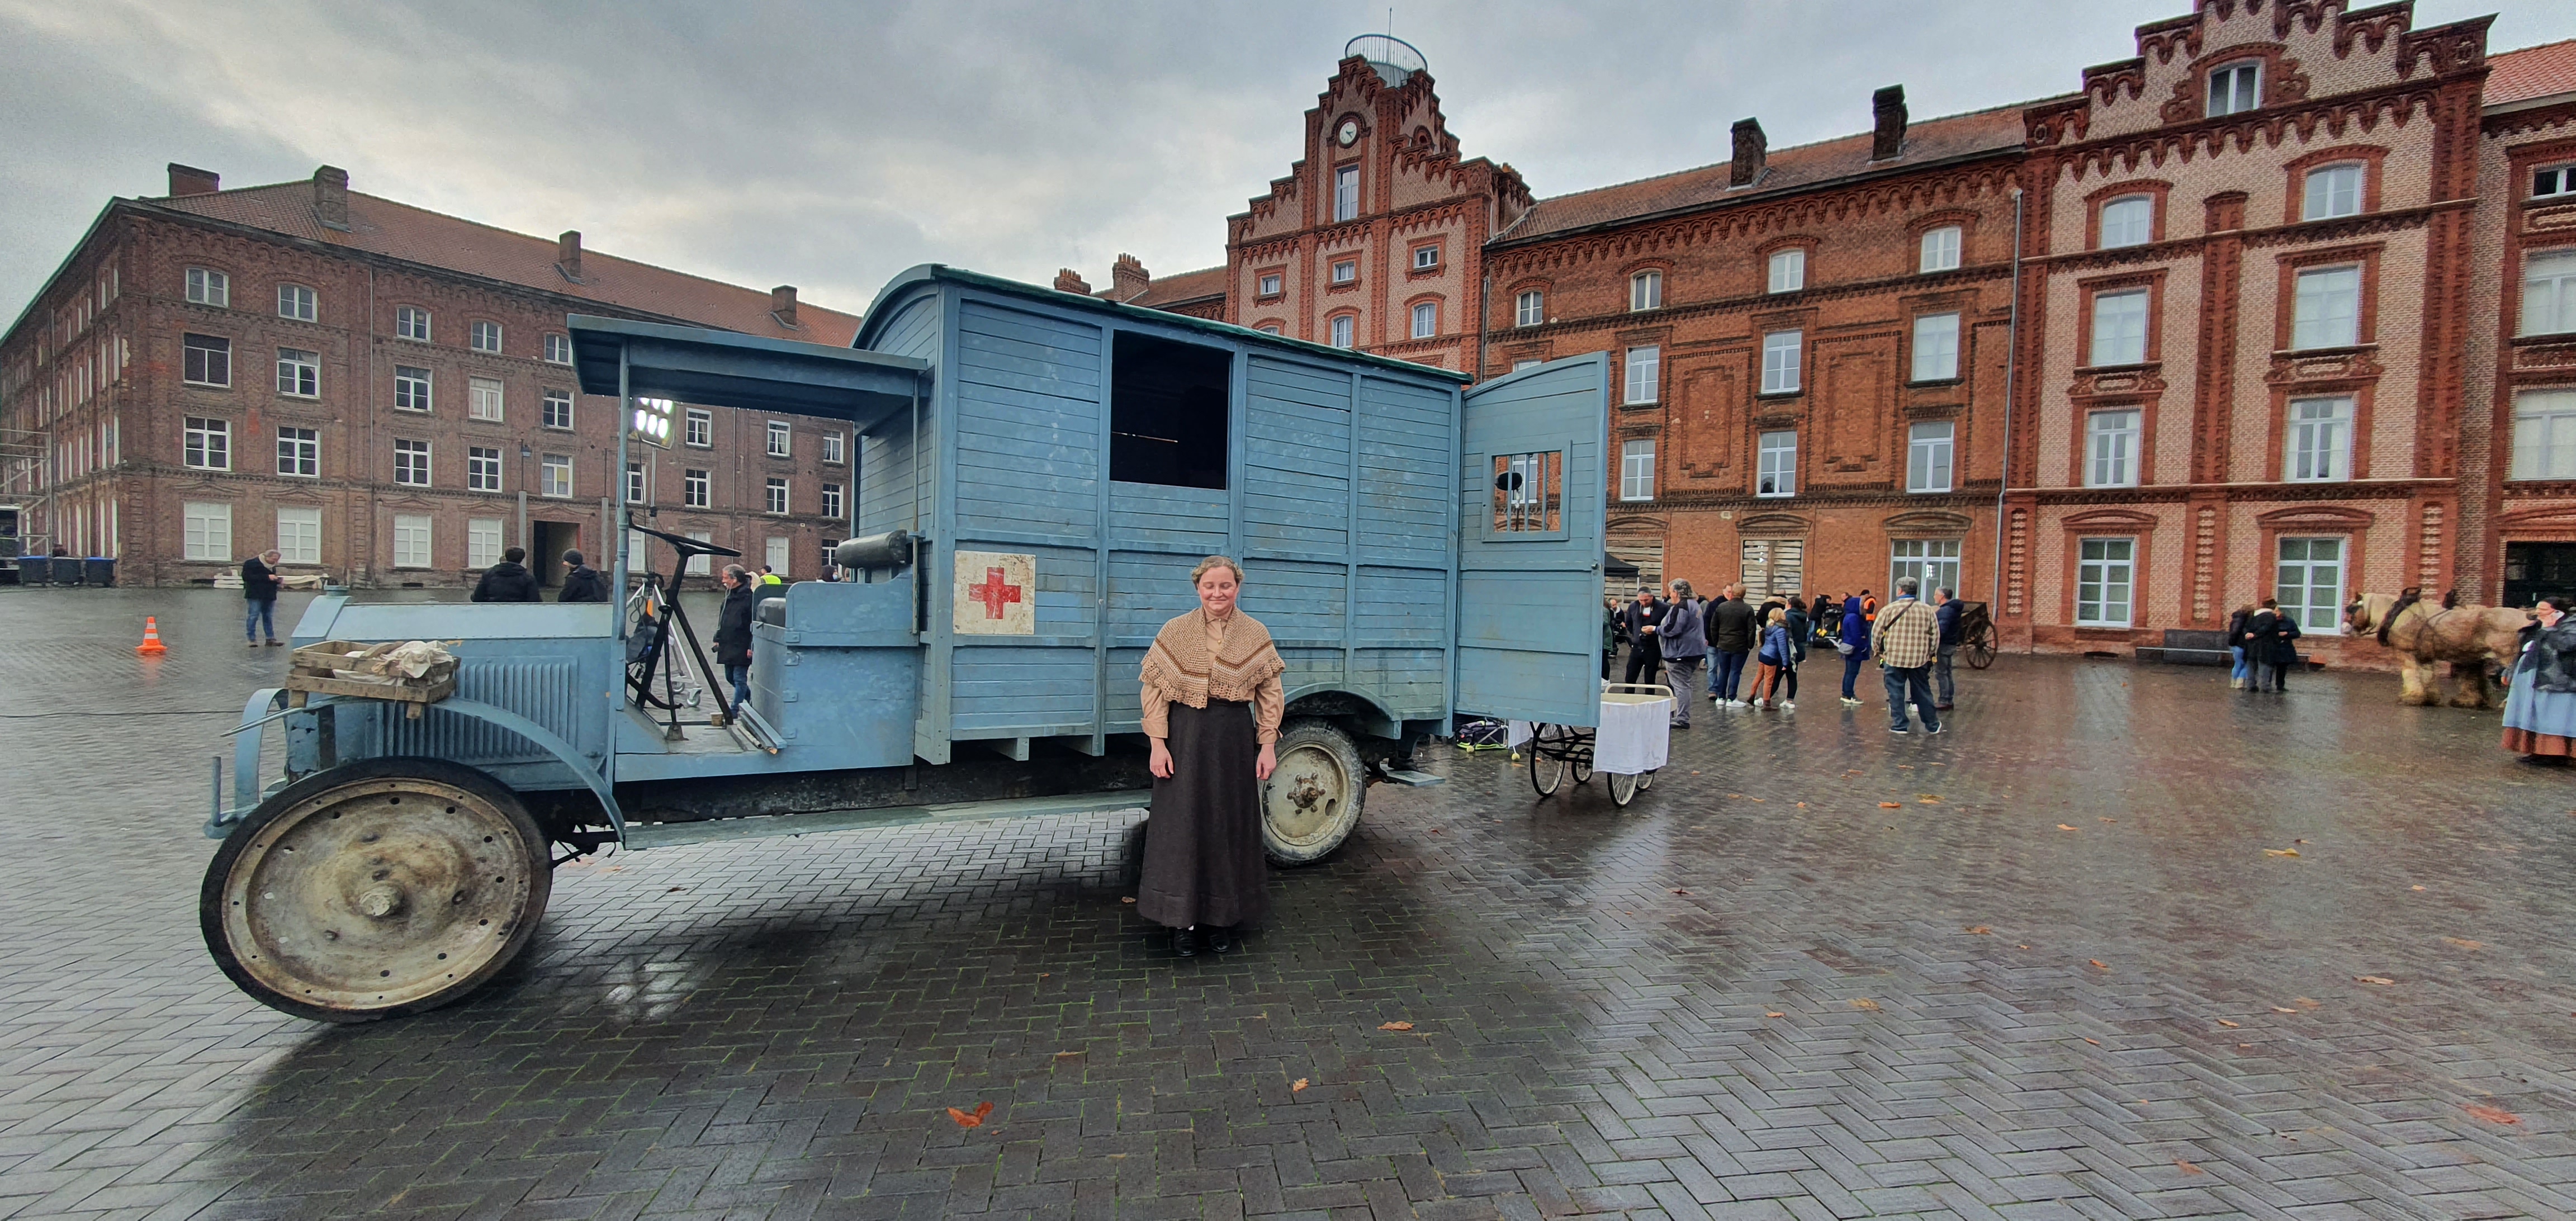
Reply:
x=1976, y=635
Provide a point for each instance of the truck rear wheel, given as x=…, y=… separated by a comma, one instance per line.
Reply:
x=382, y=888
x=1310, y=805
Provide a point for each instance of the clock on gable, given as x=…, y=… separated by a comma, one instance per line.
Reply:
x=1349, y=133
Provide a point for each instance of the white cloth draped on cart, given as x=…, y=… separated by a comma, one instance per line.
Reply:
x=1521, y=731
x=1635, y=733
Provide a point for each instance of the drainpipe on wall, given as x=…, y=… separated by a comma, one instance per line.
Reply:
x=2012, y=363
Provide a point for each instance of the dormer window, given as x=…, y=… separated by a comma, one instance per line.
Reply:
x=2235, y=88
x=1646, y=291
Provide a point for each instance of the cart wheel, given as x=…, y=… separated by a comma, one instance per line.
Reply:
x=1310, y=804
x=1645, y=782
x=1623, y=788
x=382, y=888
x=1980, y=648
x=1547, y=771
x=1583, y=769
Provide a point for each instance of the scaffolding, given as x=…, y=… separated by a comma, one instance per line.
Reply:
x=24, y=493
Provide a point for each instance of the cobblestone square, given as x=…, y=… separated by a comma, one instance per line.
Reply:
x=2124, y=943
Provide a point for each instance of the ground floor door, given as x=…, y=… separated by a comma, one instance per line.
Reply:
x=547, y=542
x=2533, y=571
x=1774, y=567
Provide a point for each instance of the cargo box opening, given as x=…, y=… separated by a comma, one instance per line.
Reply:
x=1167, y=412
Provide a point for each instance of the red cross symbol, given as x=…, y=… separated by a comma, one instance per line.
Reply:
x=993, y=593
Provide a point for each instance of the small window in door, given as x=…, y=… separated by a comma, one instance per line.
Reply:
x=1529, y=492
x=1167, y=412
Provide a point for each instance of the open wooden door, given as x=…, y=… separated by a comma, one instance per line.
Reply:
x=1533, y=477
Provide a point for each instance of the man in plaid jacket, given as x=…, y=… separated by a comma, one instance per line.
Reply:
x=1905, y=639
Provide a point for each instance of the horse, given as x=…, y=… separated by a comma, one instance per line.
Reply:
x=2422, y=634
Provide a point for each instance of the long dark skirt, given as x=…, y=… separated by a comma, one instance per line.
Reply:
x=1203, y=856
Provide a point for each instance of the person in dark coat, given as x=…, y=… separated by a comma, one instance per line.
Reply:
x=259, y=596
x=1685, y=646
x=1644, y=619
x=1614, y=632
x=2240, y=674
x=1211, y=702
x=1731, y=628
x=2273, y=643
x=733, y=630
x=1796, y=620
x=1853, y=643
x=1946, y=611
x=509, y=580
x=582, y=583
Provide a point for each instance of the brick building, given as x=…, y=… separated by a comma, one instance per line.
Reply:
x=2292, y=312
x=382, y=392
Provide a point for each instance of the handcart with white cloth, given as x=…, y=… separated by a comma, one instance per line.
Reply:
x=1629, y=745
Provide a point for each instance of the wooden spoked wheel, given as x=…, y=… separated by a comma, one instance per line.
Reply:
x=1547, y=759
x=1623, y=788
x=385, y=887
x=1979, y=647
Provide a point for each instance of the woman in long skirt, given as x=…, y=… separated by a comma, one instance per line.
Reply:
x=1212, y=703
x=2540, y=705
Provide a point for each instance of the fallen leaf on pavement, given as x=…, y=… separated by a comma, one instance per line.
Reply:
x=1889, y=805
x=1927, y=801
x=2064, y=827
x=2188, y=1168
x=2095, y=1042
x=2098, y=963
x=2280, y=852
x=1681, y=892
x=2278, y=1009
x=1979, y=929
x=1767, y=1013
x=971, y=1119
x=2414, y=888
x=2381, y=980
x=2465, y=943
x=2110, y=820
x=2491, y=1114
x=1396, y=1026
x=2228, y=1024
x=1063, y=1054
x=675, y=890
x=2305, y=1003
x=1927, y=796
x=1864, y=1003
x=1297, y=1085
x=1802, y=805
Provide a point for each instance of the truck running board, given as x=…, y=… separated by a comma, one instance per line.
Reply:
x=1414, y=779
x=670, y=834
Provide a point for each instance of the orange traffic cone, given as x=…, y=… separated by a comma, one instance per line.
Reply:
x=151, y=646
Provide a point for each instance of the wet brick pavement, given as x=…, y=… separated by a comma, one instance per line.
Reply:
x=2082, y=984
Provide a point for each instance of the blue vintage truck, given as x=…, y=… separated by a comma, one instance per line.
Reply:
x=1037, y=473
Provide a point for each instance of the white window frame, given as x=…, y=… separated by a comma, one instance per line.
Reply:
x=1787, y=271
x=1930, y=454
x=1346, y=271
x=2549, y=291
x=2119, y=328
x=1529, y=308
x=299, y=452
x=2317, y=447
x=1643, y=368
x=554, y=476
x=1936, y=347
x=299, y=373
x=482, y=468
x=415, y=541
x=413, y=323
x=1346, y=193
x=1775, y=470
x=2234, y=88
x=483, y=399
x=299, y=534
x=206, y=531
x=832, y=503
x=207, y=286
x=1932, y=562
x=482, y=542
x=696, y=488
x=1426, y=320
x=2136, y=219
x=421, y=390
x=698, y=428
x=1782, y=355
x=774, y=494
x=1271, y=284
x=558, y=348
x=206, y=443
x=1342, y=329
x=2316, y=607
x=2103, y=566
x=1645, y=291
x=2111, y=447
x=223, y=347
x=1519, y=365
x=1637, y=469
x=556, y=410
x=1426, y=257
x=775, y=553
x=297, y=302
x=483, y=335
x=781, y=439
x=2544, y=434
x=834, y=445
x=2325, y=308
x=413, y=467
x=2331, y=191
x=2553, y=181
x=1268, y=328
x=637, y=491
x=1940, y=249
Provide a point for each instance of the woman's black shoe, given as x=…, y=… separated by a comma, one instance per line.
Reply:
x=1185, y=943
x=1221, y=940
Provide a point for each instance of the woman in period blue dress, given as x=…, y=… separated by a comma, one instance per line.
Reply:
x=2540, y=705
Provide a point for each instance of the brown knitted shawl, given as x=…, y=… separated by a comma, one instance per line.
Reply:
x=1180, y=665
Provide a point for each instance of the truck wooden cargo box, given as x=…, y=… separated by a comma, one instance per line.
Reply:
x=1036, y=474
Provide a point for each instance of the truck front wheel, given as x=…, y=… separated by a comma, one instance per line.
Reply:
x=1310, y=805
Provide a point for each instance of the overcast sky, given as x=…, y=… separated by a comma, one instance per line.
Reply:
x=830, y=145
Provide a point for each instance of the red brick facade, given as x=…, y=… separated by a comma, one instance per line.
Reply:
x=319, y=457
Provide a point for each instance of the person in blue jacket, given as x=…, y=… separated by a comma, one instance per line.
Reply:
x=1854, y=645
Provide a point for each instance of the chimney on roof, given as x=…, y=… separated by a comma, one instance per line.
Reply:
x=1067, y=282
x=1128, y=279
x=189, y=180
x=331, y=197
x=568, y=255
x=1887, y=139
x=1750, y=145
x=782, y=305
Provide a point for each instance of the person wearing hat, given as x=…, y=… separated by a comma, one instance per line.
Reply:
x=582, y=582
